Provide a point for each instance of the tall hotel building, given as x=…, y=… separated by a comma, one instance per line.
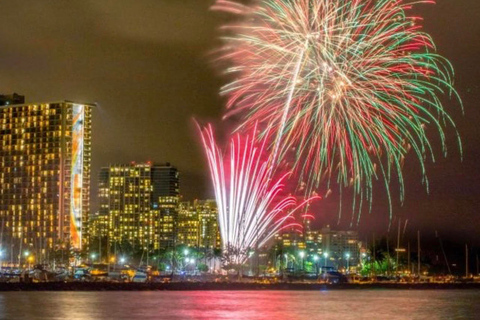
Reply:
x=45, y=152
x=198, y=224
x=140, y=202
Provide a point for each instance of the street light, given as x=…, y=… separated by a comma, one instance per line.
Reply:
x=26, y=254
x=347, y=255
x=325, y=255
x=93, y=256
x=122, y=260
x=185, y=252
x=302, y=255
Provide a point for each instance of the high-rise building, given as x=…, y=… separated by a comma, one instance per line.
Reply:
x=209, y=235
x=313, y=242
x=198, y=224
x=98, y=234
x=45, y=152
x=98, y=226
x=141, y=203
x=188, y=225
x=165, y=182
x=165, y=198
x=290, y=238
x=340, y=247
x=125, y=193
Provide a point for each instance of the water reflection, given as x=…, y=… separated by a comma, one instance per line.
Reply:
x=278, y=305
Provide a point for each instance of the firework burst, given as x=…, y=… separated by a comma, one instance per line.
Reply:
x=249, y=209
x=349, y=85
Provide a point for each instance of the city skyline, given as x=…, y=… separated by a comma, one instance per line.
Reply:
x=146, y=115
x=240, y=159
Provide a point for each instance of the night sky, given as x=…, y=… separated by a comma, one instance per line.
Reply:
x=147, y=65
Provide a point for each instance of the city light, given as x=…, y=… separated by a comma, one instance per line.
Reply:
x=347, y=255
x=347, y=100
x=325, y=255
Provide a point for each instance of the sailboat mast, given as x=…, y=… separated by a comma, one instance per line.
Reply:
x=466, y=260
x=418, y=253
x=398, y=247
x=408, y=257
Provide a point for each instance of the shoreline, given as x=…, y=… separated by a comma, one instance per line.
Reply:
x=233, y=286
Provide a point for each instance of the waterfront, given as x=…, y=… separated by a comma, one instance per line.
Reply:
x=349, y=304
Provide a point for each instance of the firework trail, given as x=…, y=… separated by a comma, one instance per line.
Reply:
x=249, y=212
x=345, y=87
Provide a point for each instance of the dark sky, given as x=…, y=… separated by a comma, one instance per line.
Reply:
x=146, y=64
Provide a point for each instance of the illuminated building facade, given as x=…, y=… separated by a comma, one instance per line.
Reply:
x=209, y=230
x=313, y=242
x=197, y=224
x=125, y=198
x=165, y=199
x=290, y=238
x=340, y=246
x=188, y=225
x=45, y=154
x=141, y=203
x=98, y=235
x=98, y=226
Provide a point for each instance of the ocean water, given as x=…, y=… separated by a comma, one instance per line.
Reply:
x=276, y=305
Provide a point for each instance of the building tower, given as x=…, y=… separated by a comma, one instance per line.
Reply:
x=141, y=202
x=45, y=152
x=198, y=224
x=165, y=198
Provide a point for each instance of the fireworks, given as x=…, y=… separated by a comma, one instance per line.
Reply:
x=249, y=212
x=345, y=87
